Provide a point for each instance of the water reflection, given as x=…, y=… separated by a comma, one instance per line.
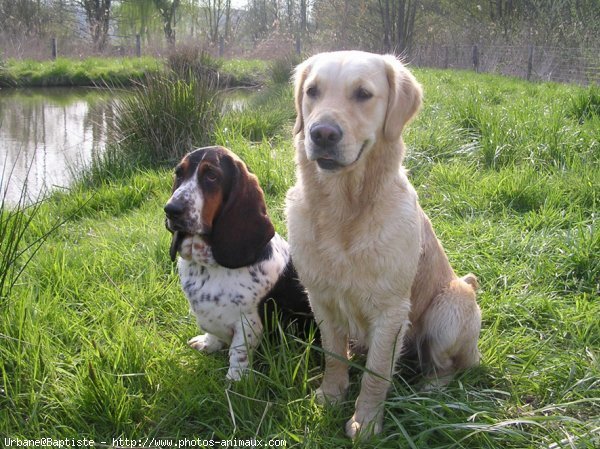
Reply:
x=45, y=134
x=236, y=99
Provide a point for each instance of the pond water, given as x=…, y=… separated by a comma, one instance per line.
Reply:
x=46, y=135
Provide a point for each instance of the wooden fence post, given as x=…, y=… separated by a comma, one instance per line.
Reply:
x=54, y=49
x=529, y=62
x=138, y=45
x=445, y=56
x=476, y=58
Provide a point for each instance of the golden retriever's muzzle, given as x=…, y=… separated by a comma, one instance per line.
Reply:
x=323, y=147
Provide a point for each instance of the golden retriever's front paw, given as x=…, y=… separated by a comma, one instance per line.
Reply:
x=330, y=396
x=364, y=428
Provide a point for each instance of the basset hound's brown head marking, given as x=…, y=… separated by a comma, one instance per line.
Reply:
x=218, y=207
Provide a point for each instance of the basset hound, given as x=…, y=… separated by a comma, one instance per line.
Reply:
x=232, y=264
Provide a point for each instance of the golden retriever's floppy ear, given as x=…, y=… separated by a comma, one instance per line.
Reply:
x=404, y=98
x=300, y=74
x=242, y=229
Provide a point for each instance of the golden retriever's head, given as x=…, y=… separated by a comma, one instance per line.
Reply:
x=348, y=101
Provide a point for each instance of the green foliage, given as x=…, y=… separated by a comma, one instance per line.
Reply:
x=92, y=337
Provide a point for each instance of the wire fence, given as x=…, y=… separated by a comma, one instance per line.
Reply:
x=565, y=65
x=535, y=63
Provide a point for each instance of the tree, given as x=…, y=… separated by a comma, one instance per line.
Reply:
x=29, y=17
x=136, y=17
x=167, y=10
x=97, y=13
x=216, y=12
x=259, y=18
x=398, y=23
x=347, y=24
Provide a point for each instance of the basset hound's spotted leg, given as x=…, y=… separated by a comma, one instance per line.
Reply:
x=246, y=337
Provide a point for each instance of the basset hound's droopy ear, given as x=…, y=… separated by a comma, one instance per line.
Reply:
x=404, y=100
x=242, y=228
x=300, y=74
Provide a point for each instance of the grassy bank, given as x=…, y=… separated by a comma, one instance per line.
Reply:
x=92, y=336
x=74, y=72
x=110, y=72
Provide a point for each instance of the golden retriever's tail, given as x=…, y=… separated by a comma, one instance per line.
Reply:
x=471, y=279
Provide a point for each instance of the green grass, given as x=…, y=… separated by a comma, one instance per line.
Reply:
x=113, y=72
x=74, y=72
x=245, y=72
x=92, y=336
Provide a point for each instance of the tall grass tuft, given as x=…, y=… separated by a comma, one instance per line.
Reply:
x=190, y=61
x=17, y=246
x=280, y=70
x=266, y=115
x=7, y=79
x=166, y=116
x=586, y=104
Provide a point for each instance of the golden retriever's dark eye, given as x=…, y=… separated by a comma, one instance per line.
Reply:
x=312, y=92
x=362, y=94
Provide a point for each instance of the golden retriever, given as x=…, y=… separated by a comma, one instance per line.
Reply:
x=363, y=247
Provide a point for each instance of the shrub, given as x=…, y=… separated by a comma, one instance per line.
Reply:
x=189, y=62
x=166, y=116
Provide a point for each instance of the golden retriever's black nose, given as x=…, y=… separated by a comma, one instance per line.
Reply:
x=325, y=135
x=174, y=209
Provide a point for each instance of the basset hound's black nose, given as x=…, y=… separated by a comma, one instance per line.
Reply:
x=174, y=209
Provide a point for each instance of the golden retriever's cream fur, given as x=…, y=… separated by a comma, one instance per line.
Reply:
x=363, y=247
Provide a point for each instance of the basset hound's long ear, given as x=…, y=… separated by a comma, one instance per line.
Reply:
x=242, y=228
x=404, y=100
x=300, y=74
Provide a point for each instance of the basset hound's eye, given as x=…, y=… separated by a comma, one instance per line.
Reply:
x=179, y=173
x=210, y=175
